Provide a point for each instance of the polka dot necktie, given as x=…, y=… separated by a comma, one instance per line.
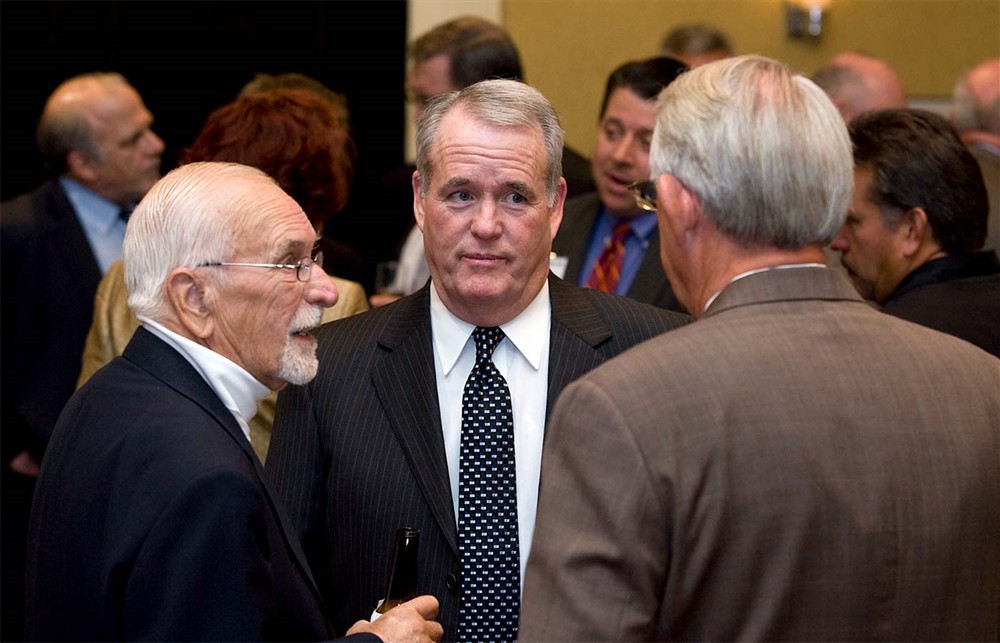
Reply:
x=608, y=267
x=487, y=502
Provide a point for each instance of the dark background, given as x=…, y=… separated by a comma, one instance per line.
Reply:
x=186, y=58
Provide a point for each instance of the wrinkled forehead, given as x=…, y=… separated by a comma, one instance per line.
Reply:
x=266, y=219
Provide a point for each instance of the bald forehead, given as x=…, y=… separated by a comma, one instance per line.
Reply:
x=84, y=90
x=984, y=80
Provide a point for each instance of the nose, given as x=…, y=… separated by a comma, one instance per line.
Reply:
x=486, y=222
x=840, y=242
x=154, y=144
x=320, y=289
x=623, y=150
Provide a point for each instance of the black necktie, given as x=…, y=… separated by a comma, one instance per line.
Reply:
x=125, y=211
x=487, y=502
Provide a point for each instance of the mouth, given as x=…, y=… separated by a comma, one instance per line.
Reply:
x=484, y=259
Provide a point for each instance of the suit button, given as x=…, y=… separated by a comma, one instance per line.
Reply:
x=453, y=583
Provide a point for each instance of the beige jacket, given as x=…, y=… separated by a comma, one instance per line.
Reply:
x=113, y=325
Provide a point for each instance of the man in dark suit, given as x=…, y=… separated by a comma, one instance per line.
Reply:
x=794, y=465
x=152, y=518
x=914, y=234
x=453, y=55
x=392, y=382
x=597, y=225
x=55, y=243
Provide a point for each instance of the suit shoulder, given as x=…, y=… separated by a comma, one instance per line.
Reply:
x=627, y=310
x=33, y=211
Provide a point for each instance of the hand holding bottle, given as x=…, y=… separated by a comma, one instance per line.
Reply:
x=409, y=622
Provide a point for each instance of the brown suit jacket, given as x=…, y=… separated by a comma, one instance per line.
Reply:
x=794, y=466
x=114, y=324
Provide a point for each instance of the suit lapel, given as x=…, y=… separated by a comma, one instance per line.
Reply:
x=406, y=386
x=578, y=329
x=169, y=366
x=573, y=236
x=69, y=238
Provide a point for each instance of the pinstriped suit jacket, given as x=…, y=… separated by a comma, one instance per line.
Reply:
x=359, y=452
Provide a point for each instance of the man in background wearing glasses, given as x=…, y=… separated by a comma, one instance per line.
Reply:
x=609, y=239
x=152, y=518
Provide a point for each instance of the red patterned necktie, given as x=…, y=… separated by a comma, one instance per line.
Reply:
x=608, y=268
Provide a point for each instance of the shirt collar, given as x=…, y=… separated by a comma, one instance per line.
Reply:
x=90, y=206
x=526, y=332
x=754, y=272
x=643, y=225
x=238, y=390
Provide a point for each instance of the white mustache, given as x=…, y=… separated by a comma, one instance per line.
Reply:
x=307, y=318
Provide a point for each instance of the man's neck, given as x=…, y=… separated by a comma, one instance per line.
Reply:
x=728, y=260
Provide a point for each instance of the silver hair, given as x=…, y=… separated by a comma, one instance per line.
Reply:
x=187, y=218
x=499, y=103
x=764, y=150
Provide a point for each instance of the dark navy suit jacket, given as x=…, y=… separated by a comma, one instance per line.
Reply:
x=153, y=520
x=49, y=277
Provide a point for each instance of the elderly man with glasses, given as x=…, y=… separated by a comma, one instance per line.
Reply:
x=152, y=517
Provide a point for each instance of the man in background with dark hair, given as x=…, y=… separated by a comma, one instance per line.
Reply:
x=913, y=236
x=607, y=241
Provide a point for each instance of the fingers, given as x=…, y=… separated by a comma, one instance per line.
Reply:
x=426, y=605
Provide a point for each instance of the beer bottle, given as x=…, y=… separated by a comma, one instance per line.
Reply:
x=402, y=585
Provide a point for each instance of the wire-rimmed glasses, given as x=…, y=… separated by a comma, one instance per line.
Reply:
x=645, y=194
x=302, y=268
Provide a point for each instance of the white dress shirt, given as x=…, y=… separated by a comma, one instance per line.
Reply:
x=523, y=360
x=239, y=390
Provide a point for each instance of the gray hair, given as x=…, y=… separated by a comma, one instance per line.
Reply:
x=64, y=127
x=499, y=103
x=763, y=149
x=190, y=216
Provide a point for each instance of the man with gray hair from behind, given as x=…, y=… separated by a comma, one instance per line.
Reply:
x=794, y=465
x=152, y=518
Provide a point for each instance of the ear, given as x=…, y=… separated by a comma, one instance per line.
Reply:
x=188, y=295
x=418, y=201
x=556, y=210
x=81, y=165
x=677, y=206
x=913, y=232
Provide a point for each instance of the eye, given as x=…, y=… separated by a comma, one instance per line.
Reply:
x=461, y=196
x=612, y=131
x=517, y=199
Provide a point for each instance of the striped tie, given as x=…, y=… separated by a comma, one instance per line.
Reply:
x=608, y=268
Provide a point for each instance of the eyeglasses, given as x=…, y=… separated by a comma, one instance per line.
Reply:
x=303, y=269
x=645, y=194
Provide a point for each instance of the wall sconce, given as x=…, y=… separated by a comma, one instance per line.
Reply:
x=805, y=17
